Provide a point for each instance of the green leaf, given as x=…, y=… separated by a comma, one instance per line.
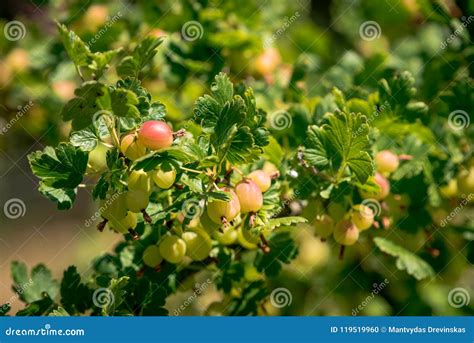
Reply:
x=284, y=221
x=347, y=135
x=59, y=312
x=155, y=299
x=77, y=50
x=131, y=65
x=116, y=287
x=76, y=297
x=247, y=303
x=99, y=61
x=61, y=167
x=63, y=197
x=4, y=309
x=31, y=289
x=406, y=260
x=61, y=170
x=234, y=125
x=85, y=139
x=124, y=103
x=315, y=152
x=282, y=250
x=194, y=184
x=240, y=148
x=38, y=308
x=168, y=155
x=208, y=106
x=92, y=100
x=101, y=188
x=81, y=55
x=273, y=151
x=218, y=196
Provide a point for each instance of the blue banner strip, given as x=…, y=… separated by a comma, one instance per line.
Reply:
x=237, y=329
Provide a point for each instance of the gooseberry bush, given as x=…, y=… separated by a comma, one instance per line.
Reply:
x=225, y=191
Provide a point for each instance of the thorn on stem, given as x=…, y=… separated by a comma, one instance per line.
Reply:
x=141, y=272
x=264, y=246
x=134, y=234
x=341, y=252
x=275, y=175
x=102, y=224
x=179, y=133
x=146, y=216
x=224, y=221
x=252, y=218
